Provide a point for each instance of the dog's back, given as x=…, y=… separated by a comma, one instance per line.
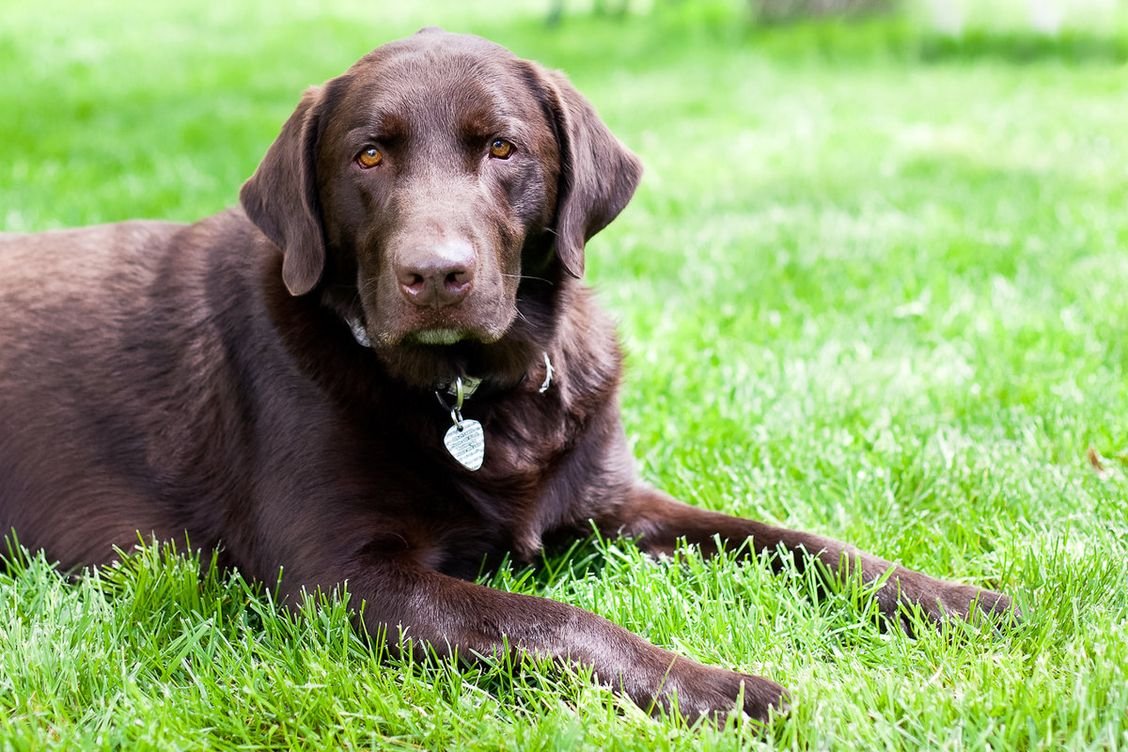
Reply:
x=89, y=367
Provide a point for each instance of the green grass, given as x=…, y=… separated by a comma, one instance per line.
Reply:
x=867, y=288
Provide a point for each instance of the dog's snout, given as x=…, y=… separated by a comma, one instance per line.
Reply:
x=438, y=276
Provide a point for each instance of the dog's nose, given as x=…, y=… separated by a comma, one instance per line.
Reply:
x=439, y=276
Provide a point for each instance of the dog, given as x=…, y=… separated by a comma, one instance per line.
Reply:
x=382, y=369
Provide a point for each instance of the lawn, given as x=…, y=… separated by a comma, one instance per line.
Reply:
x=874, y=285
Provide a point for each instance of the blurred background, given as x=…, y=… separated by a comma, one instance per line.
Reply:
x=100, y=69
x=144, y=84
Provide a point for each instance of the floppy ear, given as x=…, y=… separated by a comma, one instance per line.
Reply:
x=281, y=197
x=598, y=175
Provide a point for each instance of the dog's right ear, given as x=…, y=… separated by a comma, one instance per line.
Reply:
x=281, y=197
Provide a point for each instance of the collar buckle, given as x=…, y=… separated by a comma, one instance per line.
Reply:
x=463, y=387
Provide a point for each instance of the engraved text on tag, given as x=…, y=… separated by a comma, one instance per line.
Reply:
x=466, y=442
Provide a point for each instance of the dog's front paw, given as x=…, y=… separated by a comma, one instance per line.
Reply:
x=938, y=600
x=706, y=691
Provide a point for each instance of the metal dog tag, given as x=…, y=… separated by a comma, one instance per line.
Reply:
x=466, y=442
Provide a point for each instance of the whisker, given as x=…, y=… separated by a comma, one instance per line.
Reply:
x=364, y=288
x=529, y=277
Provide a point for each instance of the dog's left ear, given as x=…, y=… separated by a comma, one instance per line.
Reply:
x=281, y=197
x=598, y=175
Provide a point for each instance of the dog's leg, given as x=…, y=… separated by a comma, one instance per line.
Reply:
x=659, y=522
x=434, y=611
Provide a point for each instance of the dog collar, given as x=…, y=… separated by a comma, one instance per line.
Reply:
x=467, y=384
x=470, y=384
x=356, y=326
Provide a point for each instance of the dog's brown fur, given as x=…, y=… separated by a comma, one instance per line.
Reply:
x=203, y=381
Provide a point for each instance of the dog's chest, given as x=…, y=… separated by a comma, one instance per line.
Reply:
x=540, y=479
x=512, y=496
x=507, y=506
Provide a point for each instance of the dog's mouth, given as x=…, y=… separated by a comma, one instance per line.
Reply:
x=390, y=321
x=425, y=347
x=437, y=329
x=435, y=355
x=439, y=336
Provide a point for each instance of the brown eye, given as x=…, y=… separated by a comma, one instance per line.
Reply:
x=369, y=158
x=500, y=148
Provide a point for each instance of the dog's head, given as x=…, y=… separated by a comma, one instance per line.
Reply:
x=440, y=193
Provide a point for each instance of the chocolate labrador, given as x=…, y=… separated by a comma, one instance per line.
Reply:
x=382, y=369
